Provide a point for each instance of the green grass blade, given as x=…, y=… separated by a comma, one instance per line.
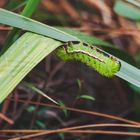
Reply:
x=30, y=7
x=14, y=34
x=127, y=71
x=37, y=90
x=125, y=9
x=86, y=37
x=134, y=2
x=20, y=59
x=15, y=4
x=19, y=21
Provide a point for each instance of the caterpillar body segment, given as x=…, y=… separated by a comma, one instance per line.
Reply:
x=95, y=58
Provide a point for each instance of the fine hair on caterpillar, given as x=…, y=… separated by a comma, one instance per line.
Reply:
x=105, y=64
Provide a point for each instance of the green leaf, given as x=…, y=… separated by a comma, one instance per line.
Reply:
x=136, y=89
x=85, y=37
x=79, y=84
x=61, y=135
x=32, y=87
x=14, y=34
x=134, y=2
x=87, y=97
x=31, y=109
x=30, y=7
x=127, y=10
x=41, y=124
x=63, y=105
x=127, y=71
x=21, y=58
x=19, y=21
x=15, y=4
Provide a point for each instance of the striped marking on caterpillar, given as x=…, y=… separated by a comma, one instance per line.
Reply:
x=105, y=64
x=82, y=51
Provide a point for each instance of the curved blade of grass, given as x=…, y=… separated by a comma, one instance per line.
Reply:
x=127, y=10
x=20, y=59
x=134, y=2
x=14, y=34
x=86, y=37
x=86, y=97
x=34, y=88
x=19, y=21
x=127, y=71
x=30, y=7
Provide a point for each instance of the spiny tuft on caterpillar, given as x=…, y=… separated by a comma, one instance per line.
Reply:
x=105, y=64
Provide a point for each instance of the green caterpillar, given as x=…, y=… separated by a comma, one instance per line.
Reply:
x=95, y=58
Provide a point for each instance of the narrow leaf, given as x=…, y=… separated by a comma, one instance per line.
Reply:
x=20, y=59
x=87, y=97
x=127, y=10
x=31, y=86
x=127, y=71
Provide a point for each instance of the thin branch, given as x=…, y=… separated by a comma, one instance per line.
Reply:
x=85, y=111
